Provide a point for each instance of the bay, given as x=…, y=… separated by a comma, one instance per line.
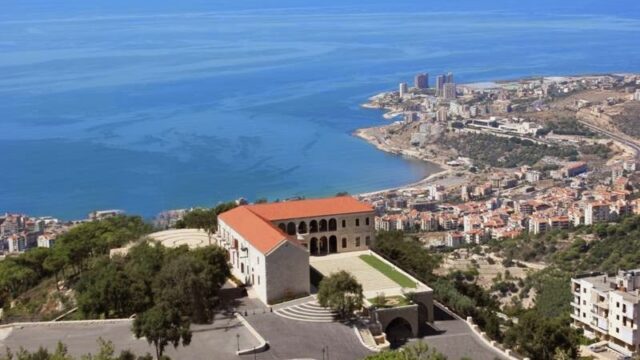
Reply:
x=153, y=105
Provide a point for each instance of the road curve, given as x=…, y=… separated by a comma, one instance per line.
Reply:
x=631, y=143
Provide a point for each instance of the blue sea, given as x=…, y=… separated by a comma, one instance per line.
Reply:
x=153, y=105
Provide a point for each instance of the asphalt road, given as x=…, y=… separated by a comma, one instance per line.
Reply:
x=216, y=341
x=291, y=339
x=628, y=142
x=456, y=340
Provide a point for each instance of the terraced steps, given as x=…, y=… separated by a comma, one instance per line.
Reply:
x=310, y=312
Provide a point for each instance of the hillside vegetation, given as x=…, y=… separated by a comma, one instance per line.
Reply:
x=495, y=151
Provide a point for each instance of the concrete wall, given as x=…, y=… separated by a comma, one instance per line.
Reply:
x=410, y=313
x=424, y=298
x=287, y=272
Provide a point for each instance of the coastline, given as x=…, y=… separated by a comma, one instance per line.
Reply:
x=444, y=172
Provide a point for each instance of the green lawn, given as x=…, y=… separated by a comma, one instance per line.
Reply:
x=388, y=271
x=391, y=301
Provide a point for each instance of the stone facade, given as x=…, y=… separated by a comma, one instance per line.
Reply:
x=331, y=234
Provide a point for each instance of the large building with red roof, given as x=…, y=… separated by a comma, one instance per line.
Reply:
x=269, y=244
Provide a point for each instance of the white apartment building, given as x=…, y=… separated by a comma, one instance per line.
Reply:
x=597, y=212
x=608, y=308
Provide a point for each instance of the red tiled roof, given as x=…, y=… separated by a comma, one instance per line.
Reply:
x=258, y=231
x=253, y=222
x=310, y=208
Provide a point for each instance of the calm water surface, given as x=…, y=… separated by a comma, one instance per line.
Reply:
x=151, y=105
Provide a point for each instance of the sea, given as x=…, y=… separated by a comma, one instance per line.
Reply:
x=148, y=105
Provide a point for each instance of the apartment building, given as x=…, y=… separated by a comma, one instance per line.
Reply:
x=608, y=308
x=597, y=212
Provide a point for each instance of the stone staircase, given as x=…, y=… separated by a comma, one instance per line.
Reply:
x=310, y=311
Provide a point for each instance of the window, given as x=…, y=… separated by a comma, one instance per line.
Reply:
x=584, y=291
x=584, y=302
x=242, y=268
x=358, y=241
x=344, y=243
x=258, y=260
x=584, y=315
x=333, y=225
x=618, y=330
x=617, y=304
x=617, y=317
x=357, y=222
x=367, y=240
x=258, y=279
x=624, y=308
x=366, y=221
x=344, y=223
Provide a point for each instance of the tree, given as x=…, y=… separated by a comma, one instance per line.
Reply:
x=205, y=219
x=415, y=351
x=163, y=325
x=109, y=290
x=106, y=352
x=540, y=337
x=55, y=263
x=190, y=282
x=341, y=292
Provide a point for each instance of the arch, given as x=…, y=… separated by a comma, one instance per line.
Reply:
x=333, y=244
x=313, y=246
x=333, y=225
x=313, y=226
x=302, y=227
x=283, y=227
x=323, y=245
x=398, y=331
x=291, y=228
x=323, y=225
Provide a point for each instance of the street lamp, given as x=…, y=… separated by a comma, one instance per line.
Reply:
x=238, y=338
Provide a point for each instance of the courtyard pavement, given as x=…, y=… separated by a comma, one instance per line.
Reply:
x=373, y=281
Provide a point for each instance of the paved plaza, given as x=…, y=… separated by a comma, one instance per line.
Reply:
x=215, y=341
x=373, y=281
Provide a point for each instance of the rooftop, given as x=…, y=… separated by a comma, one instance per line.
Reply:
x=310, y=208
x=255, y=229
x=253, y=222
